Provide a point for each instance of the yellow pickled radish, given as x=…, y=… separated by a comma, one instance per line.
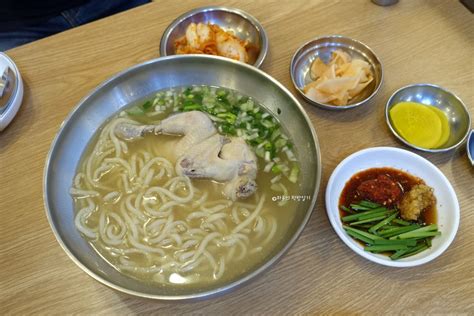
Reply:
x=445, y=128
x=417, y=124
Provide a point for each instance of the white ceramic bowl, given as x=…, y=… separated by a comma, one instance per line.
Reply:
x=379, y=157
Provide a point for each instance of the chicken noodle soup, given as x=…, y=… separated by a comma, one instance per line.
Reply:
x=178, y=189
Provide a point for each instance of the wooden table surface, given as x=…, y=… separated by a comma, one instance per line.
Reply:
x=417, y=41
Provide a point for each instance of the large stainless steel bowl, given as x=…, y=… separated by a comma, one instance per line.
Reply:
x=136, y=83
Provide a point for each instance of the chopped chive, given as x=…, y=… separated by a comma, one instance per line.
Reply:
x=408, y=242
x=396, y=231
x=369, y=204
x=347, y=210
x=376, y=214
x=358, y=207
x=389, y=226
x=399, y=253
x=384, y=222
x=349, y=218
x=383, y=248
x=416, y=235
x=370, y=220
x=401, y=222
x=365, y=226
x=383, y=231
x=360, y=237
x=361, y=232
x=415, y=250
x=428, y=242
x=417, y=232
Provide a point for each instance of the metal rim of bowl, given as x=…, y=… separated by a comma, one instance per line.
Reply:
x=326, y=105
x=217, y=291
x=261, y=31
x=470, y=154
x=394, y=132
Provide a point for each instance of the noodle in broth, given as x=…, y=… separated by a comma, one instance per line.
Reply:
x=157, y=226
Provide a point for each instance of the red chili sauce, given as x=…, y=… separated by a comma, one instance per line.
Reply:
x=384, y=186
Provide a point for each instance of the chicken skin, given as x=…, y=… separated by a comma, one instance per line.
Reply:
x=203, y=153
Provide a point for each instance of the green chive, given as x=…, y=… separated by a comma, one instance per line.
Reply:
x=358, y=207
x=408, y=242
x=361, y=232
x=397, y=231
x=415, y=251
x=347, y=210
x=369, y=204
x=401, y=222
x=360, y=237
x=349, y=218
x=370, y=220
x=417, y=232
x=399, y=253
x=384, y=222
x=383, y=248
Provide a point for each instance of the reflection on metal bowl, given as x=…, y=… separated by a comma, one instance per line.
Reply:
x=141, y=81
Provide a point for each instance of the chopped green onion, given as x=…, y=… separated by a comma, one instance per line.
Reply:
x=295, y=170
x=147, y=105
x=277, y=168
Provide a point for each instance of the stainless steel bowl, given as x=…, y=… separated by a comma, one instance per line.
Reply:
x=470, y=147
x=141, y=81
x=432, y=95
x=242, y=24
x=323, y=47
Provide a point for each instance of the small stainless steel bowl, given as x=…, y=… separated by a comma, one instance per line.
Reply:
x=242, y=24
x=323, y=47
x=432, y=95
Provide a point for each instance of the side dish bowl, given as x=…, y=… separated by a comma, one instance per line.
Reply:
x=458, y=116
x=141, y=81
x=242, y=24
x=448, y=212
x=323, y=47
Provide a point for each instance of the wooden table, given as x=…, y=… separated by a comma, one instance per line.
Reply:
x=417, y=41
